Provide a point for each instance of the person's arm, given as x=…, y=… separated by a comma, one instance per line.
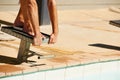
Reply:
x=33, y=13
x=54, y=20
x=31, y=22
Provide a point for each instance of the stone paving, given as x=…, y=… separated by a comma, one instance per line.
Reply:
x=85, y=36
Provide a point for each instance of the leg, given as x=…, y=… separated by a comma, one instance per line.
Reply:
x=31, y=23
x=54, y=20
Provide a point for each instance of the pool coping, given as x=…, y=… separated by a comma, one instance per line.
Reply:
x=60, y=68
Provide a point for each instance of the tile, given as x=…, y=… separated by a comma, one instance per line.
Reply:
x=74, y=73
x=87, y=60
x=30, y=73
x=53, y=63
x=109, y=70
x=102, y=14
x=108, y=57
x=92, y=72
x=13, y=73
x=41, y=75
x=73, y=63
x=73, y=59
x=59, y=65
x=10, y=70
x=13, y=78
x=35, y=76
x=32, y=76
x=29, y=70
x=77, y=45
x=2, y=74
x=44, y=67
x=118, y=68
x=58, y=74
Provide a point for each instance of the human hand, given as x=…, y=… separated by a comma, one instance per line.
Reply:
x=53, y=39
x=37, y=40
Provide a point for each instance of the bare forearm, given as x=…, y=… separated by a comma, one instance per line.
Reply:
x=53, y=16
x=33, y=16
x=31, y=23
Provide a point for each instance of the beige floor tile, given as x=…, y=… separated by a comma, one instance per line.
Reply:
x=83, y=35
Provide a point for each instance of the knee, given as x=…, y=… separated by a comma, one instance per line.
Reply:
x=51, y=3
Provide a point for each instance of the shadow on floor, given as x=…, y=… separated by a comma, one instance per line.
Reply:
x=14, y=61
x=8, y=60
x=105, y=46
